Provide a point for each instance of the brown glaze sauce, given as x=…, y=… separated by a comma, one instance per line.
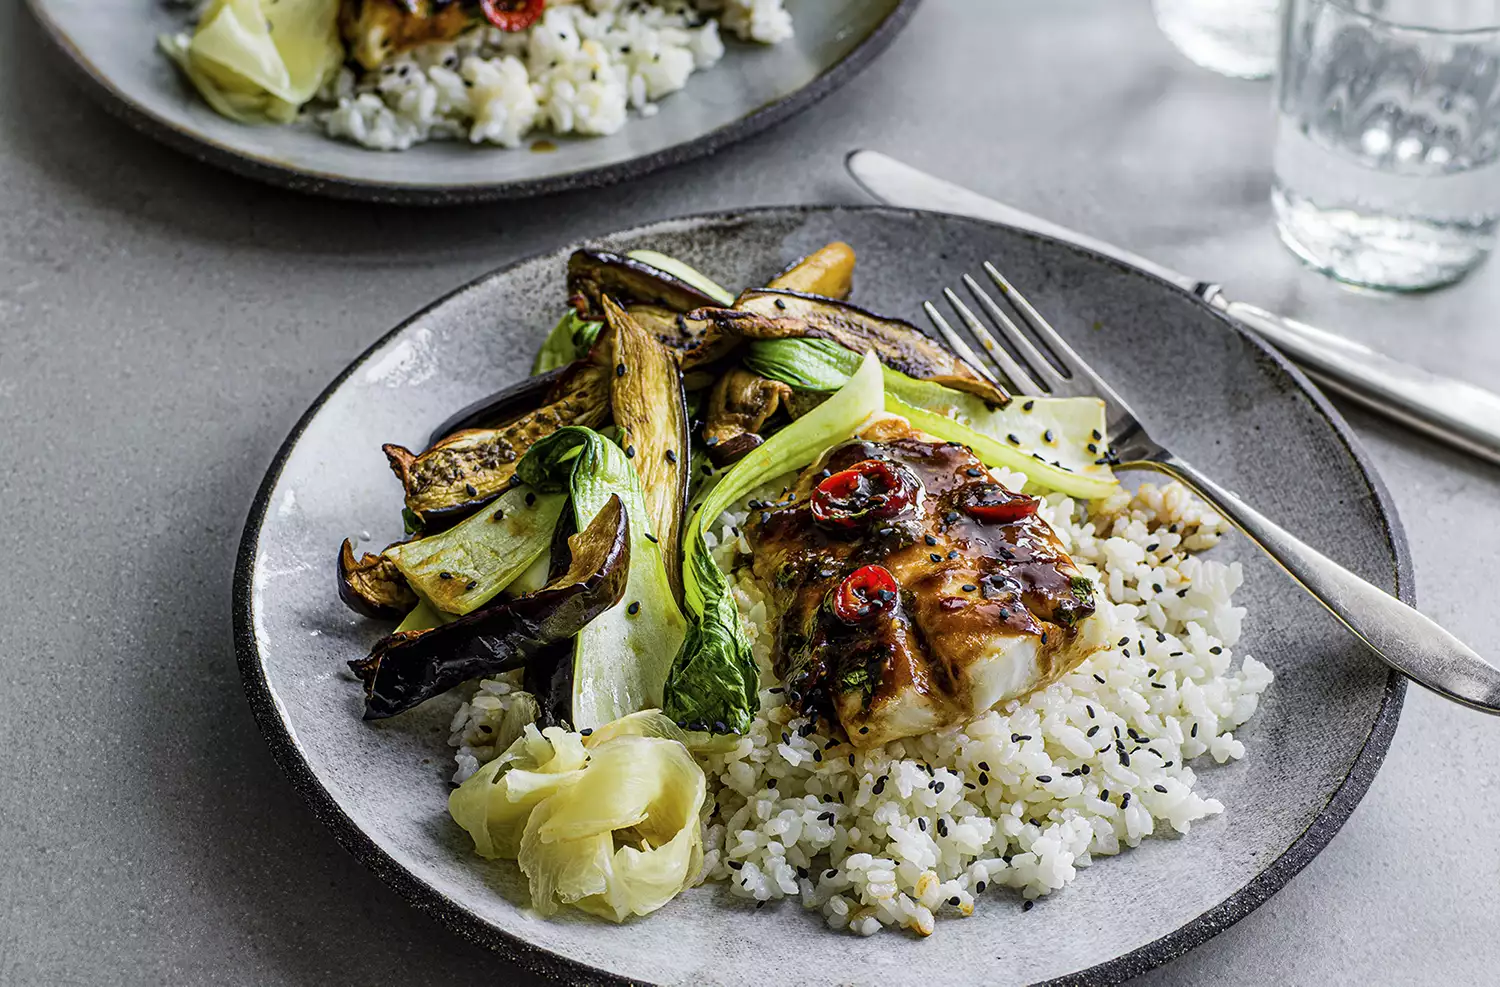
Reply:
x=961, y=581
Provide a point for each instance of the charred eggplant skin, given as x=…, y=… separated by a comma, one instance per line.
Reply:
x=372, y=586
x=405, y=670
x=592, y=274
x=505, y=406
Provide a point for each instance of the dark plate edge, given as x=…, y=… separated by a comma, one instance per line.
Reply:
x=1195, y=932
x=321, y=183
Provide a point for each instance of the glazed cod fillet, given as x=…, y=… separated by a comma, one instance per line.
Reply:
x=982, y=603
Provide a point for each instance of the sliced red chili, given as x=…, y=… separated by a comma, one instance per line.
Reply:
x=865, y=592
x=873, y=489
x=993, y=504
x=512, y=15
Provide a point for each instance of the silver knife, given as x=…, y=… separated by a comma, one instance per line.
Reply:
x=1454, y=411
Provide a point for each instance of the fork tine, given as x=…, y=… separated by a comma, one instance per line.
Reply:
x=957, y=343
x=1041, y=368
x=1023, y=380
x=1081, y=376
x=1039, y=325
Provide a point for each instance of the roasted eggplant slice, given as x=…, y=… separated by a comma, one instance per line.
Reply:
x=789, y=315
x=738, y=408
x=374, y=30
x=828, y=271
x=405, y=670
x=372, y=586
x=504, y=407
x=592, y=274
x=651, y=416
x=673, y=330
x=464, y=471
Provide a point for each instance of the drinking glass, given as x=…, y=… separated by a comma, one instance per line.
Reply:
x=1388, y=138
x=1232, y=37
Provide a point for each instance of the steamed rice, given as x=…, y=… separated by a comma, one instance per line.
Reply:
x=1020, y=797
x=580, y=69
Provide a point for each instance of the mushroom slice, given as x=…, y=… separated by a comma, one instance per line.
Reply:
x=453, y=478
x=651, y=416
x=738, y=408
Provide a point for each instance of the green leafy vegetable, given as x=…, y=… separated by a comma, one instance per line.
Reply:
x=463, y=568
x=714, y=680
x=1056, y=442
x=684, y=273
x=621, y=658
x=569, y=340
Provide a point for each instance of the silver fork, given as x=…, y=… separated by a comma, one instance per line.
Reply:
x=1402, y=637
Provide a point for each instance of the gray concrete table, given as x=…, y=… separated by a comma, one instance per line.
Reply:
x=162, y=325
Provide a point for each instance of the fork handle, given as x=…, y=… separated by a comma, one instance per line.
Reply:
x=1408, y=641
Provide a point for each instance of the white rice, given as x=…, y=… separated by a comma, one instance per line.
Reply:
x=1020, y=797
x=579, y=69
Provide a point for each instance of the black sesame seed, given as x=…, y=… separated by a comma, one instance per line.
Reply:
x=1011, y=438
x=970, y=587
x=1124, y=800
x=938, y=787
x=498, y=516
x=652, y=538
x=1098, y=678
x=971, y=471
x=1093, y=729
x=955, y=899
x=1097, y=436
x=1028, y=406
x=445, y=575
x=712, y=440
x=630, y=452
x=1194, y=731
x=922, y=823
x=1158, y=685
x=1160, y=788
x=864, y=729
x=1047, y=436
x=530, y=499
x=953, y=554
x=619, y=370
x=1216, y=650
x=979, y=888
x=471, y=490
x=1043, y=779
x=471, y=585
x=984, y=765
x=780, y=304
x=1028, y=906
x=1090, y=710
x=634, y=608
x=935, y=557
x=950, y=517
x=929, y=539
x=771, y=783
x=984, y=778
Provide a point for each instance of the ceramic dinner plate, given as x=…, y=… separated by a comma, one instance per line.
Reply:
x=1220, y=397
x=113, y=42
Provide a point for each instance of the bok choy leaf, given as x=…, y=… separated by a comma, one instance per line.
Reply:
x=621, y=658
x=713, y=682
x=1057, y=442
x=571, y=339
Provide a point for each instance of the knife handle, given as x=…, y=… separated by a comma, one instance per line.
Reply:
x=1454, y=411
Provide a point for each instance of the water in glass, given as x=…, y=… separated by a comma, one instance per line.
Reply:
x=1388, y=138
x=1232, y=37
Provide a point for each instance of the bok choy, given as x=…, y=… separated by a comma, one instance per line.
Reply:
x=621, y=658
x=713, y=682
x=1058, y=443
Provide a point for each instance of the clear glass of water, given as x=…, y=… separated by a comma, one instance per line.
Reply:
x=1388, y=138
x=1231, y=37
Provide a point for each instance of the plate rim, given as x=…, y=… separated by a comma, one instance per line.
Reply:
x=287, y=751
x=273, y=171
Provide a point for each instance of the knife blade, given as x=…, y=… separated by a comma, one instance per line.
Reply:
x=1454, y=411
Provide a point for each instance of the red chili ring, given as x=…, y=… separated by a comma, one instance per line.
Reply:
x=512, y=15
x=872, y=489
x=863, y=593
x=993, y=504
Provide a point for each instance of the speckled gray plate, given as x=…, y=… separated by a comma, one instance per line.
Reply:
x=113, y=43
x=1220, y=397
